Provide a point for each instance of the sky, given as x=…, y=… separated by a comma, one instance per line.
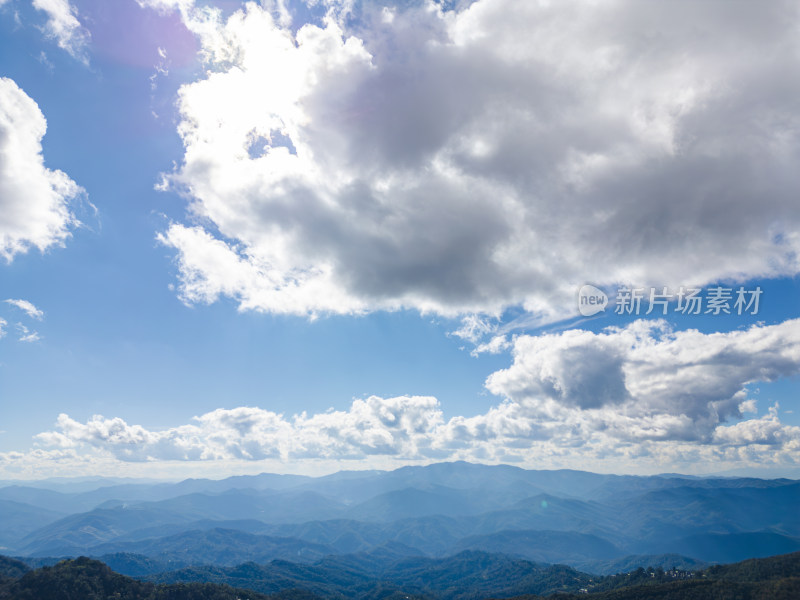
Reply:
x=313, y=235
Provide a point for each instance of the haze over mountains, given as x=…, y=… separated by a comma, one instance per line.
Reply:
x=597, y=523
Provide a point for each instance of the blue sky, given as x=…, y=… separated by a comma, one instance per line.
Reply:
x=291, y=237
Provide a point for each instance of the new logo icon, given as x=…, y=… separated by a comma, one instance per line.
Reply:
x=591, y=300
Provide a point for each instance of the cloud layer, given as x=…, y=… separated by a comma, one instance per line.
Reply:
x=657, y=398
x=34, y=200
x=466, y=160
x=402, y=427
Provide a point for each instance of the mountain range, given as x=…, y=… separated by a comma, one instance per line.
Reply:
x=593, y=522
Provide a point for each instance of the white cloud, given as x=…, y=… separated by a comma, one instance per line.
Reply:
x=645, y=381
x=3, y=325
x=26, y=335
x=768, y=430
x=34, y=200
x=38, y=463
x=661, y=400
x=501, y=154
x=496, y=345
x=27, y=307
x=748, y=406
x=161, y=68
x=389, y=432
x=64, y=27
x=399, y=427
x=474, y=328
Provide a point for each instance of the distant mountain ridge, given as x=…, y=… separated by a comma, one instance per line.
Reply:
x=570, y=517
x=466, y=575
x=225, y=547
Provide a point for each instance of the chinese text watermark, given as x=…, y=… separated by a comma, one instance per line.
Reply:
x=686, y=300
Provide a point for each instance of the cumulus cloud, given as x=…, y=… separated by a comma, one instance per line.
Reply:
x=640, y=395
x=34, y=200
x=499, y=153
x=768, y=430
x=646, y=381
x=496, y=345
x=374, y=431
x=27, y=307
x=64, y=27
x=400, y=427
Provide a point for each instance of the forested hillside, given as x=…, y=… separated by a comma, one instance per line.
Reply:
x=469, y=576
x=87, y=579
